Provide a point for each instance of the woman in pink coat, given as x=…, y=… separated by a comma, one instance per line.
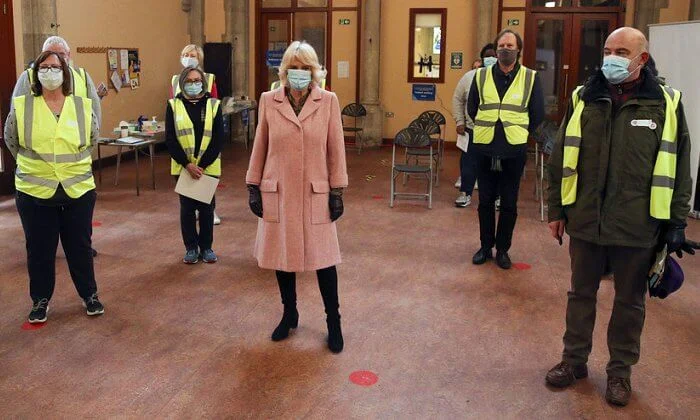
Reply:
x=296, y=178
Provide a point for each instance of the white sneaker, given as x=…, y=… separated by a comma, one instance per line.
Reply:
x=498, y=204
x=463, y=200
x=217, y=219
x=476, y=185
x=458, y=184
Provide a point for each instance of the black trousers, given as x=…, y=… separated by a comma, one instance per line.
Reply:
x=467, y=172
x=43, y=225
x=631, y=267
x=504, y=184
x=188, y=223
x=327, y=284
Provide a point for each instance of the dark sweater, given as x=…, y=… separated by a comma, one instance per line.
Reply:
x=500, y=146
x=197, y=112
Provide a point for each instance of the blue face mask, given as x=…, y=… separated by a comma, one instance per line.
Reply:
x=193, y=89
x=616, y=68
x=490, y=61
x=298, y=79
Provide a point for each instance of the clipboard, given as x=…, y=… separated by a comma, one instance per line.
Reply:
x=202, y=189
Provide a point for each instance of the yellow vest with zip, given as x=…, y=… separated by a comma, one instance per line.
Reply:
x=664, y=174
x=79, y=82
x=512, y=110
x=176, y=83
x=184, y=129
x=53, y=152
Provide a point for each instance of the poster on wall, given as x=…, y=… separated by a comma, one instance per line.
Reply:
x=456, y=60
x=112, y=56
x=423, y=92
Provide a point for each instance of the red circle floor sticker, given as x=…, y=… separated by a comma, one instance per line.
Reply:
x=27, y=326
x=363, y=378
x=96, y=224
x=522, y=266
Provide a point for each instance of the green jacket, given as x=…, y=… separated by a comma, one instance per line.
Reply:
x=615, y=168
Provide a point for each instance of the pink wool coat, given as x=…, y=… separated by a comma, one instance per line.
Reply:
x=296, y=161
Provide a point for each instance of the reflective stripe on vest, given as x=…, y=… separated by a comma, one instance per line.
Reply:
x=664, y=174
x=184, y=129
x=176, y=83
x=78, y=81
x=512, y=110
x=53, y=152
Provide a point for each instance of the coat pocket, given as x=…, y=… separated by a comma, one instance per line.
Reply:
x=271, y=200
x=320, y=212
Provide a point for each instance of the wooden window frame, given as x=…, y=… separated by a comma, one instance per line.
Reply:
x=412, y=39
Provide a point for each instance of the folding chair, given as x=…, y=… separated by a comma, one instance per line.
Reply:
x=442, y=123
x=354, y=111
x=432, y=129
x=411, y=138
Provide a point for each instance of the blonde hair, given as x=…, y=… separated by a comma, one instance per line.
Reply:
x=198, y=49
x=305, y=53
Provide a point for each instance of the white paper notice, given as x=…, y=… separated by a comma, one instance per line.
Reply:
x=343, y=69
x=124, y=59
x=116, y=80
x=201, y=189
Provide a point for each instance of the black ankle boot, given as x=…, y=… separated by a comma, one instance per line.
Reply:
x=290, y=319
x=335, y=335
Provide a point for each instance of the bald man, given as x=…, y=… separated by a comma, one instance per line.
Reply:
x=620, y=186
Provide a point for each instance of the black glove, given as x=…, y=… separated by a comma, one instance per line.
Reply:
x=674, y=238
x=255, y=200
x=688, y=247
x=335, y=202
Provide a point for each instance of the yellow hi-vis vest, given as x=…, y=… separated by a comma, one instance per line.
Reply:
x=185, y=135
x=664, y=175
x=176, y=83
x=53, y=152
x=511, y=111
x=79, y=82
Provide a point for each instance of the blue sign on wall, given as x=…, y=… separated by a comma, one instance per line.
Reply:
x=274, y=58
x=423, y=92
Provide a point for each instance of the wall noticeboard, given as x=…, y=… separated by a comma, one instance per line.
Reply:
x=123, y=66
x=423, y=92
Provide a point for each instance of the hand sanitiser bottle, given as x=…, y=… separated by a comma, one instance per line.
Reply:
x=154, y=124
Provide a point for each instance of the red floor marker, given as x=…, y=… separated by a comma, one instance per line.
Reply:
x=96, y=224
x=522, y=266
x=363, y=378
x=221, y=186
x=29, y=327
x=377, y=197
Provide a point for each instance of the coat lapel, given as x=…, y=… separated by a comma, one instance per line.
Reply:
x=284, y=107
x=312, y=103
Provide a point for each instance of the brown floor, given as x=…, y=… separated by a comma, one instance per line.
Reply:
x=446, y=339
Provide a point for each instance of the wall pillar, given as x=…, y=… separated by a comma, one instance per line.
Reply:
x=647, y=13
x=369, y=97
x=195, y=9
x=39, y=21
x=484, y=16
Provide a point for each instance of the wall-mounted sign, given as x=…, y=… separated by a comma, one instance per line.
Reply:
x=456, y=60
x=423, y=92
x=274, y=58
x=344, y=21
x=513, y=22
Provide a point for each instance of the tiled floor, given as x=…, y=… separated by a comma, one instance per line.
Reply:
x=446, y=339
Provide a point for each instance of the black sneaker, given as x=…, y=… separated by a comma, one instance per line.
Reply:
x=39, y=310
x=93, y=305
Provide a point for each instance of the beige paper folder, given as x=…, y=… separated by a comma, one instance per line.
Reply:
x=201, y=189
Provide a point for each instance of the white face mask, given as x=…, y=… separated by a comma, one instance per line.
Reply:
x=189, y=62
x=51, y=80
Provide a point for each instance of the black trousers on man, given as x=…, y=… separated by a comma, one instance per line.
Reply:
x=493, y=184
x=188, y=223
x=43, y=225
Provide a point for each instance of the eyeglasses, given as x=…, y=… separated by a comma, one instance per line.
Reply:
x=52, y=68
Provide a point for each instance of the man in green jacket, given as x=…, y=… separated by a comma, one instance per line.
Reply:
x=620, y=184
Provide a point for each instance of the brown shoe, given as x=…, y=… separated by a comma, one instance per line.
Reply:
x=619, y=391
x=564, y=374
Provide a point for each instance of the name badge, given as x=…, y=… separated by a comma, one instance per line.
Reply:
x=644, y=123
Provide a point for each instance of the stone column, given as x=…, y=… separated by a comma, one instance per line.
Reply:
x=39, y=21
x=195, y=8
x=484, y=12
x=647, y=13
x=369, y=95
x=236, y=14
x=694, y=10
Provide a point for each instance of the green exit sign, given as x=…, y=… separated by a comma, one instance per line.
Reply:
x=344, y=21
x=513, y=22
